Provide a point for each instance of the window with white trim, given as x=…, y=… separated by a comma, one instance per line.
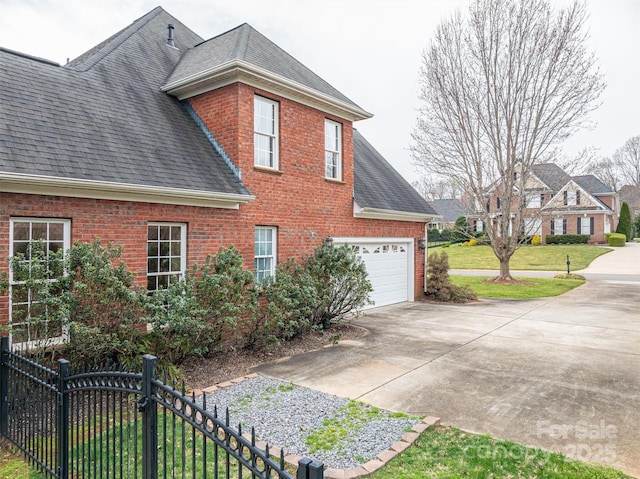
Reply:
x=585, y=225
x=265, y=252
x=532, y=226
x=534, y=200
x=265, y=132
x=332, y=150
x=570, y=198
x=166, y=254
x=29, y=321
x=559, y=226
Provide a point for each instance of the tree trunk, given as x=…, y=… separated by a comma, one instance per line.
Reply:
x=505, y=274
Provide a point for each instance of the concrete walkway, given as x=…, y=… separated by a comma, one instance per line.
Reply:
x=558, y=373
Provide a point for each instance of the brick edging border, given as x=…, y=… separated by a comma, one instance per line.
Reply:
x=381, y=460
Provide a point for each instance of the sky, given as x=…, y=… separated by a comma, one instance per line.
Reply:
x=370, y=50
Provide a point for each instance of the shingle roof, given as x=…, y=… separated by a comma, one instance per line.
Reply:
x=378, y=185
x=450, y=209
x=103, y=117
x=244, y=43
x=592, y=184
x=551, y=175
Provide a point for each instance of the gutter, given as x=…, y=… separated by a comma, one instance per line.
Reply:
x=80, y=188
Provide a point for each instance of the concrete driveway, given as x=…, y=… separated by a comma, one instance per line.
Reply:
x=558, y=373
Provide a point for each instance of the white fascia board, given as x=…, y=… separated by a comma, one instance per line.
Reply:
x=595, y=200
x=380, y=214
x=51, y=185
x=241, y=71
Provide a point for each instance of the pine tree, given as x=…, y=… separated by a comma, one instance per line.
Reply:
x=624, y=223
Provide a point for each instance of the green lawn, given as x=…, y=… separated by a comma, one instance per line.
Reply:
x=533, y=287
x=445, y=452
x=536, y=258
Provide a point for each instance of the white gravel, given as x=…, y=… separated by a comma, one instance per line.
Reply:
x=284, y=415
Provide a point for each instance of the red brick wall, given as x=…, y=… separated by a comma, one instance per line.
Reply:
x=297, y=198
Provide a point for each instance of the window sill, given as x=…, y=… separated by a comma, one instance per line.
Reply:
x=334, y=181
x=264, y=169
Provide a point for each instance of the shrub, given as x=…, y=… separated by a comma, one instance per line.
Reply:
x=340, y=280
x=535, y=240
x=636, y=225
x=439, y=286
x=433, y=235
x=460, y=230
x=473, y=242
x=616, y=239
x=624, y=222
x=567, y=239
x=287, y=306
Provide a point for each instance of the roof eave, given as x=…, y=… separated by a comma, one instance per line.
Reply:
x=241, y=71
x=81, y=188
x=382, y=214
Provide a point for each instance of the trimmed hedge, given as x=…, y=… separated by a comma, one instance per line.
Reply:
x=567, y=239
x=616, y=239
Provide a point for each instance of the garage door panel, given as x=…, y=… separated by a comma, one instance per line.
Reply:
x=387, y=268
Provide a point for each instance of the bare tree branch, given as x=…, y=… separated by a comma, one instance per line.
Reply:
x=500, y=89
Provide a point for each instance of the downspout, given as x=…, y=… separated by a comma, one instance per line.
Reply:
x=426, y=250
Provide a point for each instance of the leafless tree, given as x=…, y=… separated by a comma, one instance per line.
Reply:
x=432, y=187
x=500, y=88
x=627, y=160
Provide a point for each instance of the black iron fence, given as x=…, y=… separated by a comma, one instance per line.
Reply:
x=119, y=424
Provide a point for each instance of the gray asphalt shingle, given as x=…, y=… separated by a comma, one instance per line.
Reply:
x=378, y=185
x=103, y=117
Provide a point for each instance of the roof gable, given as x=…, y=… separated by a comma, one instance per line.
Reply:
x=379, y=187
x=551, y=175
x=587, y=200
x=103, y=118
x=244, y=54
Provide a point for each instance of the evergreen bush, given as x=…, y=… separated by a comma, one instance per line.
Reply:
x=624, y=222
x=439, y=286
x=616, y=239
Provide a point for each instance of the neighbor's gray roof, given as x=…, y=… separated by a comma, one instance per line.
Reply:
x=103, y=117
x=378, y=185
x=592, y=184
x=450, y=209
x=244, y=43
x=551, y=175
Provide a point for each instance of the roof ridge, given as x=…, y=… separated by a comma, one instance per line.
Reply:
x=29, y=57
x=92, y=56
x=242, y=44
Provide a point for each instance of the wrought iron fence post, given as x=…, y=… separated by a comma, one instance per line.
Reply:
x=62, y=423
x=149, y=409
x=310, y=469
x=4, y=387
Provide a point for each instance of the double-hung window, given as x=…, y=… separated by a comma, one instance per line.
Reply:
x=265, y=252
x=40, y=245
x=265, y=132
x=166, y=254
x=332, y=150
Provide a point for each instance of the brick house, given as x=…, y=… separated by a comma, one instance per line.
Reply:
x=174, y=147
x=556, y=203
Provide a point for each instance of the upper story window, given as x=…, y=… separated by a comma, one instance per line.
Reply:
x=41, y=245
x=166, y=254
x=332, y=150
x=265, y=136
x=571, y=197
x=534, y=201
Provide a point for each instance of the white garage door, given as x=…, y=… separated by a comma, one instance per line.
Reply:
x=390, y=267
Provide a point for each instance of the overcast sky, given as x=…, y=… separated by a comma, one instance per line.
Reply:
x=368, y=49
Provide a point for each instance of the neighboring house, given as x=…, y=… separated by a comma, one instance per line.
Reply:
x=174, y=147
x=557, y=203
x=450, y=210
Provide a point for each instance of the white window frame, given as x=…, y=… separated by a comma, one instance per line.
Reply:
x=585, y=224
x=66, y=244
x=572, y=198
x=332, y=150
x=534, y=201
x=558, y=225
x=479, y=225
x=266, y=130
x=173, y=274
x=264, y=269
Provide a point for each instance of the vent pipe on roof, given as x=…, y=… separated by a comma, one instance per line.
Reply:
x=170, y=41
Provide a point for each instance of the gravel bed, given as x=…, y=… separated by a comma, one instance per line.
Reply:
x=285, y=415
